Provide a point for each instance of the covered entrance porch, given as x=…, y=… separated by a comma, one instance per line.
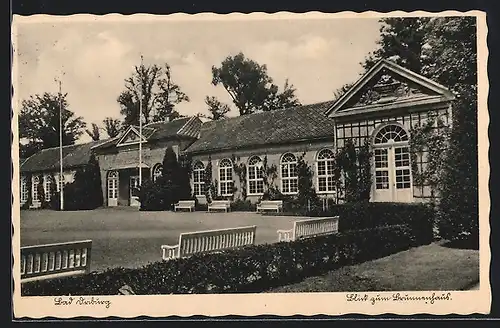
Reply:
x=123, y=183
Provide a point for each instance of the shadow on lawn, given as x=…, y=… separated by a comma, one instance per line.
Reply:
x=472, y=244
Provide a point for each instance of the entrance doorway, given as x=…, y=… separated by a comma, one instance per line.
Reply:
x=134, y=191
x=113, y=188
x=393, y=181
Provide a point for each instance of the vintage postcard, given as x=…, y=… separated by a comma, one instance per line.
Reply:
x=250, y=164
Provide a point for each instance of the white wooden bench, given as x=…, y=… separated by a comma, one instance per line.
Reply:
x=224, y=205
x=270, y=205
x=309, y=228
x=209, y=241
x=184, y=204
x=55, y=260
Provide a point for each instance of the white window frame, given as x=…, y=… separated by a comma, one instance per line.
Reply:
x=256, y=168
x=112, y=176
x=59, y=180
x=390, y=144
x=24, y=190
x=228, y=172
x=34, y=189
x=289, y=177
x=327, y=175
x=154, y=174
x=47, y=180
x=199, y=174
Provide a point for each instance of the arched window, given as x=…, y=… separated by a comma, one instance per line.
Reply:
x=289, y=174
x=325, y=171
x=255, y=176
x=391, y=133
x=199, y=179
x=392, y=164
x=47, y=181
x=34, y=188
x=157, y=171
x=24, y=191
x=226, y=177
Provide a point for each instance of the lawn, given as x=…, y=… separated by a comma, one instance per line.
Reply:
x=129, y=238
x=430, y=267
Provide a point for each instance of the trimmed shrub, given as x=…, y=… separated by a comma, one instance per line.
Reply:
x=365, y=215
x=248, y=269
x=84, y=193
x=243, y=206
x=173, y=185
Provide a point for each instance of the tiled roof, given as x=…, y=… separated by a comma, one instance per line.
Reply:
x=185, y=126
x=48, y=159
x=274, y=127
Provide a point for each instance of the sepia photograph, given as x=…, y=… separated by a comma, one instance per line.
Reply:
x=250, y=159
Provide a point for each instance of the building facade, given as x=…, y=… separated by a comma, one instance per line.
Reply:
x=381, y=109
x=43, y=168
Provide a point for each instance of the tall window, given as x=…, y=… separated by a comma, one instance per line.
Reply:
x=199, y=179
x=289, y=174
x=112, y=185
x=59, y=180
x=24, y=191
x=157, y=171
x=226, y=177
x=326, y=168
x=34, y=188
x=255, y=176
x=47, y=181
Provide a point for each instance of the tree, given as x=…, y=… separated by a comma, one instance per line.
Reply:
x=444, y=49
x=85, y=192
x=401, y=39
x=159, y=95
x=95, y=133
x=112, y=126
x=217, y=109
x=250, y=87
x=341, y=91
x=451, y=55
x=39, y=123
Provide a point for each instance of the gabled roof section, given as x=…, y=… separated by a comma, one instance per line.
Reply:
x=388, y=83
x=186, y=127
x=132, y=136
x=48, y=159
x=263, y=128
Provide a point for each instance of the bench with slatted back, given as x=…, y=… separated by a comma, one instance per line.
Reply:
x=209, y=241
x=270, y=205
x=224, y=205
x=309, y=228
x=184, y=204
x=55, y=260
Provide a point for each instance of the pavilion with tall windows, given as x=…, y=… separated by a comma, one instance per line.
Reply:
x=380, y=109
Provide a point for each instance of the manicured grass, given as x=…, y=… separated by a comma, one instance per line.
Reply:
x=129, y=238
x=430, y=267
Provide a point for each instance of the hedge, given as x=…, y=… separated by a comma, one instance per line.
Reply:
x=248, y=269
x=365, y=215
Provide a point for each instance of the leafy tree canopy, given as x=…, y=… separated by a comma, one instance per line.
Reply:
x=250, y=86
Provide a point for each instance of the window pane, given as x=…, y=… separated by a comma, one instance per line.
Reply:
x=382, y=179
x=322, y=168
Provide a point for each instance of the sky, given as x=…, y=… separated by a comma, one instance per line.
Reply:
x=97, y=55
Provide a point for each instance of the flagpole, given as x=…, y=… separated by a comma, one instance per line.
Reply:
x=61, y=183
x=140, y=125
